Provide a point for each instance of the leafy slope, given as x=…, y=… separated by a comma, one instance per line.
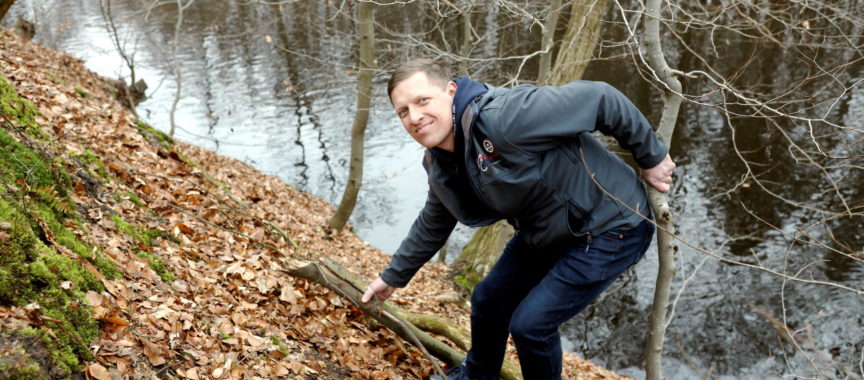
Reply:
x=182, y=253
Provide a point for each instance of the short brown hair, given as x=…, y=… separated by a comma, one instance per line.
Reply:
x=437, y=71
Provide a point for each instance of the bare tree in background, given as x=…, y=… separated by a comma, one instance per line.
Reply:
x=365, y=25
x=133, y=92
x=580, y=39
x=178, y=73
x=822, y=37
x=549, y=27
x=660, y=201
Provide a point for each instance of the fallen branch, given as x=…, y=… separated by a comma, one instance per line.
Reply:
x=338, y=279
x=456, y=334
x=347, y=285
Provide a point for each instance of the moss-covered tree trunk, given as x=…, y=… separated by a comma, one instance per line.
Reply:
x=481, y=253
x=358, y=130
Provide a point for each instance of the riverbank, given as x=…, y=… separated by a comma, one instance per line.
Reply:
x=180, y=263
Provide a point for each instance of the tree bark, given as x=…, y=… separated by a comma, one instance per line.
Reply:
x=178, y=79
x=659, y=201
x=4, y=7
x=548, y=41
x=361, y=117
x=465, y=49
x=481, y=253
x=583, y=33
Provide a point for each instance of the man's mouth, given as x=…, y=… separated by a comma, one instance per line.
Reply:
x=422, y=128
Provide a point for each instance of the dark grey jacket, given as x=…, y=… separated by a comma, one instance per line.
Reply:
x=529, y=159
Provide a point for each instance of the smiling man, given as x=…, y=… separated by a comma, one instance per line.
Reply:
x=526, y=155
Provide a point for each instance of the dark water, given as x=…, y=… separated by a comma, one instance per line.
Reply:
x=286, y=107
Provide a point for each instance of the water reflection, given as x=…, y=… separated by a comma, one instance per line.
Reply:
x=273, y=85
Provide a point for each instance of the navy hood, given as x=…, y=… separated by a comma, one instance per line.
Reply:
x=466, y=91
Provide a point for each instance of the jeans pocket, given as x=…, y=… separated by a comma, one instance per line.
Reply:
x=607, y=243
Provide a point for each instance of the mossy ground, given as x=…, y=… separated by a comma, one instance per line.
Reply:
x=155, y=136
x=42, y=260
x=145, y=237
x=19, y=110
x=94, y=166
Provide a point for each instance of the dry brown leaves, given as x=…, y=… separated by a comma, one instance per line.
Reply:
x=231, y=313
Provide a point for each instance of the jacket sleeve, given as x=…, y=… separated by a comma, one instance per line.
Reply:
x=538, y=118
x=427, y=235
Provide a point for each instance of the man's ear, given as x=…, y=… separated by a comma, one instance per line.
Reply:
x=451, y=88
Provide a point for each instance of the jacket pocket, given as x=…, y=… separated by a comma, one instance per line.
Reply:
x=577, y=219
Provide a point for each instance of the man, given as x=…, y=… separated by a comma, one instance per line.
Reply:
x=526, y=154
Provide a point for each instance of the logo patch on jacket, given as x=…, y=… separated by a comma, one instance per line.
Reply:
x=487, y=146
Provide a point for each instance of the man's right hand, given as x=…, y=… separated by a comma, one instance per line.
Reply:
x=378, y=288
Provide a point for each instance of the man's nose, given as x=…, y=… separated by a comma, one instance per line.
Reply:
x=414, y=115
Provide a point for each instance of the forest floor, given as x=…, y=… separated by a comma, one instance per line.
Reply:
x=198, y=290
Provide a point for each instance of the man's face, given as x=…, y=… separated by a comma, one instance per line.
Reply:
x=424, y=108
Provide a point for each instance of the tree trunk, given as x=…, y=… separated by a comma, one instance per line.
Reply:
x=465, y=49
x=4, y=7
x=358, y=130
x=481, y=253
x=548, y=41
x=583, y=33
x=178, y=79
x=659, y=201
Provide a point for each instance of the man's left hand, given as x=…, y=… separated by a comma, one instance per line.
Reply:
x=660, y=176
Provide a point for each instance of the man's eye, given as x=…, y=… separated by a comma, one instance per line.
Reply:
x=402, y=112
x=424, y=100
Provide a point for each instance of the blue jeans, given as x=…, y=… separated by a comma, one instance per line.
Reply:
x=529, y=294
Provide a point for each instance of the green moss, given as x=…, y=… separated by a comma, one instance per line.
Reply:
x=157, y=265
x=31, y=272
x=467, y=281
x=134, y=198
x=29, y=332
x=35, y=209
x=146, y=236
x=82, y=92
x=119, y=197
x=20, y=367
x=55, y=78
x=65, y=237
x=20, y=163
x=92, y=161
x=142, y=235
x=155, y=136
x=278, y=343
x=20, y=110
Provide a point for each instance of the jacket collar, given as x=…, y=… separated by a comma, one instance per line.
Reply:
x=467, y=91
